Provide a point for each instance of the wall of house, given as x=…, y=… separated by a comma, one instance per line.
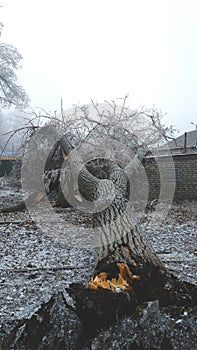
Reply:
x=184, y=173
x=8, y=166
x=5, y=167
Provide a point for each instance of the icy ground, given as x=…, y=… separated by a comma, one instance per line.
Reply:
x=36, y=264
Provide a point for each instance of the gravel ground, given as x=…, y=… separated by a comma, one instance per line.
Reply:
x=36, y=264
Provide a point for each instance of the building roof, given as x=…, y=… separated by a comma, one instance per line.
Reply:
x=189, y=139
x=8, y=154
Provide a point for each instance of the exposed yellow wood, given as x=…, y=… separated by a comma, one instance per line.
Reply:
x=123, y=282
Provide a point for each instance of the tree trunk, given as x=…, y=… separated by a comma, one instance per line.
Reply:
x=125, y=262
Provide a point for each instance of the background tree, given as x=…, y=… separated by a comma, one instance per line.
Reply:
x=11, y=92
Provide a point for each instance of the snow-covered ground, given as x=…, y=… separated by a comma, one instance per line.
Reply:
x=35, y=264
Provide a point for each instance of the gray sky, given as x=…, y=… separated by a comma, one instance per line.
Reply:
x=83, y=49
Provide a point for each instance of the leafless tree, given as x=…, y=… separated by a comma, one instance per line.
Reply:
x=11, y=92
x=134, y=133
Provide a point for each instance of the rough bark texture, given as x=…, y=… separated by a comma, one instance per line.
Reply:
x=125, y=261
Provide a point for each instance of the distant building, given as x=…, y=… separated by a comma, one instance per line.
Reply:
x=185, y=143
x=8, y=161
x=183, y=151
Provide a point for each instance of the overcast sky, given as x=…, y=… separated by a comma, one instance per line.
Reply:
x=102, y=49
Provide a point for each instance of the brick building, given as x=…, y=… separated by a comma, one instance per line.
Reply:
x=183, y=169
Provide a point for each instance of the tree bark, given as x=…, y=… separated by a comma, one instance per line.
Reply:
x=125, y=261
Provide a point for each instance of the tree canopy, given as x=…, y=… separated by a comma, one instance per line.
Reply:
x=11, y=92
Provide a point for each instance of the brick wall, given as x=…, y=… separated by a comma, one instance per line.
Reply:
x=184, y=173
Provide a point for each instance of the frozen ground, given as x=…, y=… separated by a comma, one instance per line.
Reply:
x=36, y=264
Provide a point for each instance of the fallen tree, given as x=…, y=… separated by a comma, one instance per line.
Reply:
x=128, y=272
x=125, y=262
x=130, y=294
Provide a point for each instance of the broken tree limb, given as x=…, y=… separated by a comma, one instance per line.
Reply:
x=50, y=268
x=14, y=208
x=33, y=199
x=51, y=182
